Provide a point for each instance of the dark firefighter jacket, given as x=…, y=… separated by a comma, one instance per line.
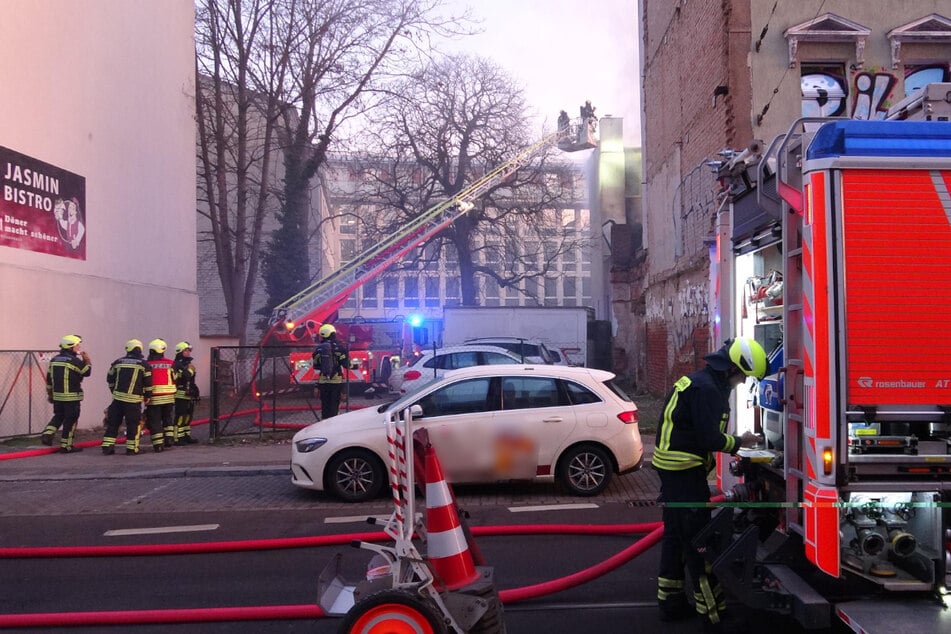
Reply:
x=130, y=378
x=65, y=374
x=339, y=356
x=184, y=374
x=693, y=424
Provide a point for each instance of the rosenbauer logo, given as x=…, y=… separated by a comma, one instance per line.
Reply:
x=868, y=382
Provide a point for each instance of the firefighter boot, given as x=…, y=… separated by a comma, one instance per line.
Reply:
x=70, y=449
x=47, y=439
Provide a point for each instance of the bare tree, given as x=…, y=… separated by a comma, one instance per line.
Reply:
x=343, y=53
x=277, y=81
x=445, y=128
x=240, y=63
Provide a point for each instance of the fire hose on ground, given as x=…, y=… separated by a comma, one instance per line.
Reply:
x=654, y=532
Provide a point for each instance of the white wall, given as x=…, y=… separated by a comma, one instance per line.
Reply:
x=104, y=89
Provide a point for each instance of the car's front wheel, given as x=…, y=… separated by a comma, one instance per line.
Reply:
x=585, y=470
x=355, y=475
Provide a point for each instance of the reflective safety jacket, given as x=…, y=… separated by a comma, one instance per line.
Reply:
x=130, y=378
x=65, y=374
x=693, y=424
x=184, y=374
x=163, y=381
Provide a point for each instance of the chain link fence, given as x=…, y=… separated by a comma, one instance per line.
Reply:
x=258, y=389
x=24, y=410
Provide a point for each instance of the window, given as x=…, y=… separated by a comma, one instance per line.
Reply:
x=918, y=76
x=580, y=395
x=551, y=291
x=432, y=291
x=369, y=294
x=452, y=290
x=496, y=358
x=464, y=397
x=348, y=225
x=569, y=285
x=529, y=392
x=825, y=90
x=348, y=249
x=491, y=292
x=411, y=292
x=391, y=292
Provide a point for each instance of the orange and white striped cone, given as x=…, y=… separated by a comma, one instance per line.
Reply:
x=446, y=546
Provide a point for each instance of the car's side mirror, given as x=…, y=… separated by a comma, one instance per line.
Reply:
x=415, y=411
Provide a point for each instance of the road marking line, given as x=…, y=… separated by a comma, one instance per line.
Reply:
x=351, y=519
x=161, y=529
x=551, y=507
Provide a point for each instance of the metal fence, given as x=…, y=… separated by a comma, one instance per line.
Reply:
x=24, y=410
x=259, y=389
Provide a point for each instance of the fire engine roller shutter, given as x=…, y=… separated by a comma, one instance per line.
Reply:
x=897, y=236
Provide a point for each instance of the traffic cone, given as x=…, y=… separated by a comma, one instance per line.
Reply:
x=446, y=545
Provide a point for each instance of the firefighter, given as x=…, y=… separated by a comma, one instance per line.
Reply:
x=692, y=427
x=330, y=358
x=130, y=380
x=186, y=393
x=160, y=412
x=64, y=389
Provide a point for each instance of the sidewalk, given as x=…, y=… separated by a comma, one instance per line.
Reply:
x=233, y=458
x=253, y=457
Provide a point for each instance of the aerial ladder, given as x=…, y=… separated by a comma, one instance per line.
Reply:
x=297, y=319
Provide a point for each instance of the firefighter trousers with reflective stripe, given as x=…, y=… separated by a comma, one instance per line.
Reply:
x=685, y=494
x=65, y=415
x=131, y=415
x=184, y=409
x=161, y=421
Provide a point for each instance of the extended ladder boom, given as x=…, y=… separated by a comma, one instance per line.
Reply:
x=331, y=292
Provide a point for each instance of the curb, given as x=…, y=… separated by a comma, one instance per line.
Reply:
x=180, y=472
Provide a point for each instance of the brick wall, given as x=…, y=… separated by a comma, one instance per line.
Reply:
x=690, y=49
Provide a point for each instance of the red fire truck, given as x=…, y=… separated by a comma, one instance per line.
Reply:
x=835, y=254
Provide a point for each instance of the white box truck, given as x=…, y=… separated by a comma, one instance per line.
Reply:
x=563, y=330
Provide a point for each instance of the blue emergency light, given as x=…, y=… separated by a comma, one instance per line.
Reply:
x=851, y=137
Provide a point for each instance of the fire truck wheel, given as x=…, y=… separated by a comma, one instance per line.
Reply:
x=585, y=470
x=355, y=475
x=392, y=612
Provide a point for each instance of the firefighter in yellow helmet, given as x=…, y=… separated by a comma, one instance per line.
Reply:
x=160, y=412
x=330, y=359
x=691, y=429
x=186, y=393
x=64, y=389
x=130, y=380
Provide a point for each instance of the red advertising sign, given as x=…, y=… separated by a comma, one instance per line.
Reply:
x=42, y=207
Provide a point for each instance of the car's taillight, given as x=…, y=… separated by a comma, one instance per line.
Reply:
x=628, y=417
x=411, y=375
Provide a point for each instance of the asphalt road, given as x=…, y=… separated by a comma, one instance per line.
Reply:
x=267, y=507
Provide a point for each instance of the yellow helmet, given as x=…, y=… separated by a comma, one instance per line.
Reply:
x=158, y=345
x=70, y=341
x=132, y=344
x=749, y=356
x=182, y=346
x=326, y=331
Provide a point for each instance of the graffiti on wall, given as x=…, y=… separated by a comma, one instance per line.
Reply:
x=873, y=91
x=827, y=92
x=682, y=311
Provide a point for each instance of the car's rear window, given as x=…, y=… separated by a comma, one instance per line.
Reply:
x=614, y=387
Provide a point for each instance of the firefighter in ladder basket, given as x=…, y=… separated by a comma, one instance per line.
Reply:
x=692, y=427
x=330, y=358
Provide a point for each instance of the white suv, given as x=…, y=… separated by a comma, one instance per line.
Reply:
x=527, y=350
x=433, y=364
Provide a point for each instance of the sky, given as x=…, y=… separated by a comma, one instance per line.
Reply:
x=564, y=52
